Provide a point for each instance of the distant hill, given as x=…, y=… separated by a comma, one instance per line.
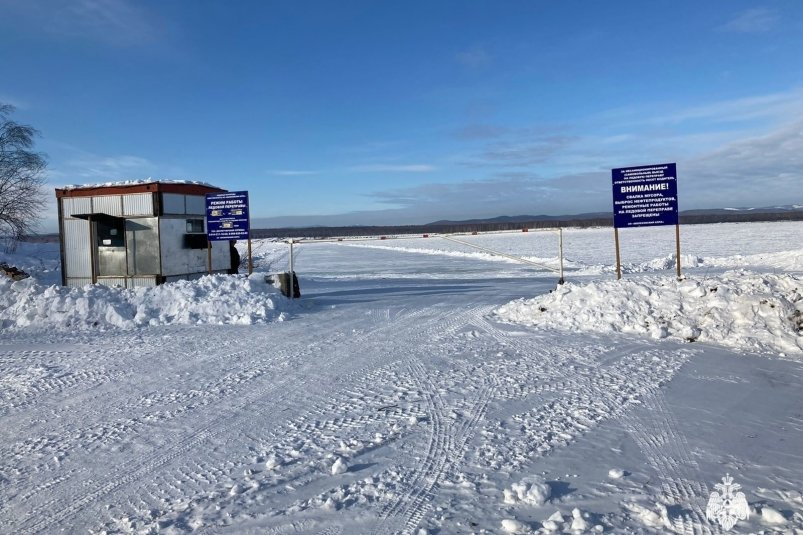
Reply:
x=596, y=219
x=725, y=212
x=525, y=219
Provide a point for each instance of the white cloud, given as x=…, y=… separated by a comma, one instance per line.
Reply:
x=511, y=194
x=117, y=22
x=111, y=166
x=85, y=167
x=779, y=106
x=291, y=172
x=393, y=168
x=755, y=20
x=757, y=171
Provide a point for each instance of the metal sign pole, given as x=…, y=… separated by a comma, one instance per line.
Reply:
x=618, y=259
x=250, y=259
x=291, y=278
x=677, y=246
x=209, y=256
x=560, y=248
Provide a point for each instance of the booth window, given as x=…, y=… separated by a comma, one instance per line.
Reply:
x=195, y=226
x=195, y=238
x=111, y=232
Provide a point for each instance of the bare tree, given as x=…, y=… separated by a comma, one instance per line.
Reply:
x=21, y=178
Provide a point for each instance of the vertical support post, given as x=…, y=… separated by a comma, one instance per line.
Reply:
x=560, y=249
x=677, y=247
x=209, y=256
x=250, y=259
x=291, y=279
x=618, y=258
x=93, y=248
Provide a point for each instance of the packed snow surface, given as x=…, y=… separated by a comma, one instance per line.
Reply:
x=391, y=399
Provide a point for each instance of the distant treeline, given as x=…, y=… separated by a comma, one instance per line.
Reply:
x=491, y=226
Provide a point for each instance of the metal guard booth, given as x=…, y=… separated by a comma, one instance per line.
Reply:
x=136, y=234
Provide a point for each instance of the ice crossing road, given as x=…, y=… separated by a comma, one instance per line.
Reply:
x=210, y=428
x=430, y=407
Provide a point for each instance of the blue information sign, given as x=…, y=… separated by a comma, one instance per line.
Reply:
x=645, y=196
x=227, y=216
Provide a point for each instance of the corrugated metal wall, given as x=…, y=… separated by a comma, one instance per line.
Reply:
x=141, y=282
x=76, y=282
x=108, y=204
x=128, y=282
x=77, y=256
x=138, y=204
x=112, y=281
x=76, y=205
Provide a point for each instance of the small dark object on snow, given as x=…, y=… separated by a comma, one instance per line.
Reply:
x=287, y=283
x=12, y=272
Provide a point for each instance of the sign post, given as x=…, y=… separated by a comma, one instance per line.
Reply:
x=645, y=196
x=227, y=218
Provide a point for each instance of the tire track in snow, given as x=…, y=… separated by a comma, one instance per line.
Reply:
x=408, y=325
x=117, y=422
x=448, y=441
x=136, y=470
x=285, y=392
x=409, y=506
x=657, y=434
x=570, y=407
x=317, y=422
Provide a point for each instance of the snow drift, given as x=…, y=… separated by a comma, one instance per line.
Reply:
x=212, y=299
x=739, y=309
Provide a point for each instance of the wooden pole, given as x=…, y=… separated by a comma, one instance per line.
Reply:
x=677, y=247
x=560, y=249
x=250, y=259
x=618, y=259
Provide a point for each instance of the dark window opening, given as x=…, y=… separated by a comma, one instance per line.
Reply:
x=195, y=226
x=111, y=233
x=195, y=241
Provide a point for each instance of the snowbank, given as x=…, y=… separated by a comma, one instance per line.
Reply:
x=213, y=299
x=739, y=309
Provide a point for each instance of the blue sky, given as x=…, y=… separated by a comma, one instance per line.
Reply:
x=358, y=112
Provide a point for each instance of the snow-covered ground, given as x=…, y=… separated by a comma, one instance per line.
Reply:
x=419, y=386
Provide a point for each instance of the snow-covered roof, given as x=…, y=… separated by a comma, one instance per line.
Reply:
x=189, y=187
x=135, y=182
